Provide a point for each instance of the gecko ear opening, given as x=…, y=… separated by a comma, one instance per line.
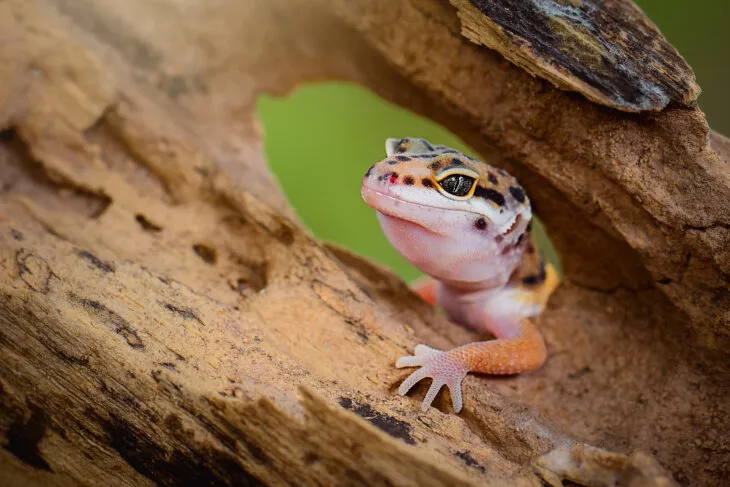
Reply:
x=391, y=146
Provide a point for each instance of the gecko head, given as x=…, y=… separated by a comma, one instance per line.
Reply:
x=444, y=211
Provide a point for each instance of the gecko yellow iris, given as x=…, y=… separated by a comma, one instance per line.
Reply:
x=452, y=183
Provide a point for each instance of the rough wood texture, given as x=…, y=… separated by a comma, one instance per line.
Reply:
x=607, y=50
x=164, y=320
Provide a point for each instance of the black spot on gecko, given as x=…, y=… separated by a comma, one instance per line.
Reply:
x=490, y=194
x=492, y=178
x=536, y=279
x=428, y=146
x=426, y=183
x=402, y=158
x=530, y=280
x=435, y=165
x=370, y=171
x=394, y=427
x=455, y=163
x=518, y=193
x=17, y=235
x=408, y=180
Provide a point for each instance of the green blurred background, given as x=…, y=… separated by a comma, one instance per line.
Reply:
x=331, y=133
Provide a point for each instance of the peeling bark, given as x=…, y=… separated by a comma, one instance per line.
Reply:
x=165, y=320
x=608, y=50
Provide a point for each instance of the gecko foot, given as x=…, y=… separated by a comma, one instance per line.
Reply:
x=441, y=367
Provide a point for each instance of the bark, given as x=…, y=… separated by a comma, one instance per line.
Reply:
x=606, y=50
x=165, y=320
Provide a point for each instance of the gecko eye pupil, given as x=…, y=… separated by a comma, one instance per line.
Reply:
x=457, y=184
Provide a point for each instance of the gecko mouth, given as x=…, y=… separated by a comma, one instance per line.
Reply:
x=369, y=195
x=430, y=218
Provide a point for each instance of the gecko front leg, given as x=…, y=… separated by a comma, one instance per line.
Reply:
x=522, y=352
x=518, y=345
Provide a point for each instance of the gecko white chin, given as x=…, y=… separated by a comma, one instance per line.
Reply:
x=412, y=240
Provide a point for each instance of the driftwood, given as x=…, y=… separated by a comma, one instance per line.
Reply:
x=164, y=319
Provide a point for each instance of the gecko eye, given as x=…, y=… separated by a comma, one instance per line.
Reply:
x=459, y=185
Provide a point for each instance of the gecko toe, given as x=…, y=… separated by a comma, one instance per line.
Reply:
x=456, y=397
x=424, y=350
x=412, y=380
x=422, y=354
x=410, y=361
x=436, y=386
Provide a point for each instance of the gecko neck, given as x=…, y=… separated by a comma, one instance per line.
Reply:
x=503, y=268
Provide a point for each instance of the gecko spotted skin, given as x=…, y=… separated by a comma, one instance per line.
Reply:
x=467, y=225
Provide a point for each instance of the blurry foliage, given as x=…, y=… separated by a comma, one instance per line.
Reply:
x=321, y=139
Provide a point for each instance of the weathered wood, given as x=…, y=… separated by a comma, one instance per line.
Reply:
x=164, y=320
x=607, y=50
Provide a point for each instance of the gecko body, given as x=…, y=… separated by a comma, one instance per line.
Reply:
x=466, y=224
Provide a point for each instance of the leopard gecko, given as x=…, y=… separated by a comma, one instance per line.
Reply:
x=465, y=224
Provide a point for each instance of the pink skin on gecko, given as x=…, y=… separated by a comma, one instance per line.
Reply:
x=465, y=224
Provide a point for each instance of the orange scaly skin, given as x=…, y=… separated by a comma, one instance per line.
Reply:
x=466, y=224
